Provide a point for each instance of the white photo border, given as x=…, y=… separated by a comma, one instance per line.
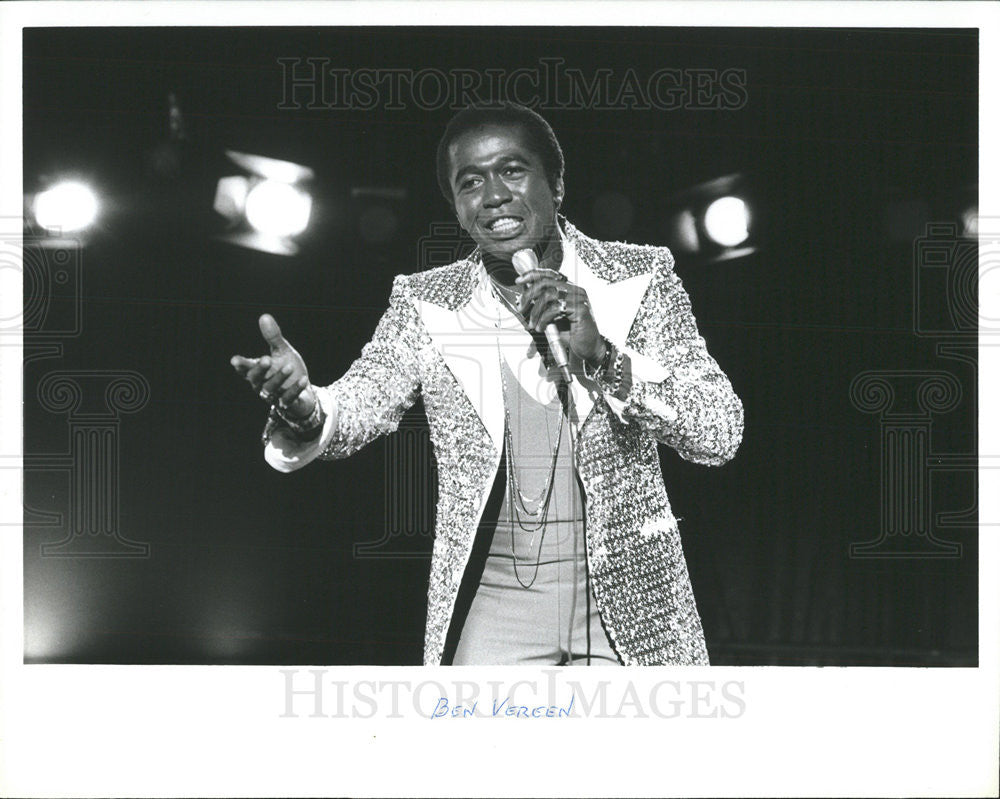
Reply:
x=214, y=731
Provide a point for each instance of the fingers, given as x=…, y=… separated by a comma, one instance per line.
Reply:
x=538, y=279
x=549, y=313
x=271, y=376
x=242, y=365
x=290, y=393
x=539, y=296
x=536, y=275
x=548, y=296
x=275, y=379
x=531, y=294
x=272, y=333
x=542, y=302
x=545, y=300
x=266, y=376
x=258, y=372
x=538, y=288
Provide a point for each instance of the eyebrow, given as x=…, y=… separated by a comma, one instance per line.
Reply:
x=465, y=170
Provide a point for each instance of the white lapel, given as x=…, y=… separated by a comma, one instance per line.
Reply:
x=614, y=306
x=469, y=339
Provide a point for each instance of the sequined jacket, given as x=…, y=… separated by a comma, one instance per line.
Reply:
x=439, y=340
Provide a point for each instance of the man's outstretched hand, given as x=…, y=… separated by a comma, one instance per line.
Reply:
x=282, y=375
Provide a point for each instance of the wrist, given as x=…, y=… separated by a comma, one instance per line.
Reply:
x=610, y=371
x=613, y=377
x=303, y=425
x=601, y=357
x=595, y=362
x=293, y=412
x=595, y=366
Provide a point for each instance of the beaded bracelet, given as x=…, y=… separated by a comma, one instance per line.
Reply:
x=595, y=374
x=304, y=429
x=610, y=373
x=613, y=386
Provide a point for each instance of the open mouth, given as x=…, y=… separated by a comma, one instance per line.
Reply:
x=503, y=224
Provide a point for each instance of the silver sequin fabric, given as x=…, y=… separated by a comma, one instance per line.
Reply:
x=639, y=573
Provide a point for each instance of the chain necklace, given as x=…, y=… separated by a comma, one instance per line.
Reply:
x=517, y=503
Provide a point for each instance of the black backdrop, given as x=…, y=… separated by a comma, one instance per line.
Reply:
x=853, y=140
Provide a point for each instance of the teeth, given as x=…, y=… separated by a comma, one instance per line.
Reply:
x=506, y=223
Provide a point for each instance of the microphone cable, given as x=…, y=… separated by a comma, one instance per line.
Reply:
x=569, y=408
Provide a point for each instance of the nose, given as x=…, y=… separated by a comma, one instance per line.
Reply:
x=496, y=193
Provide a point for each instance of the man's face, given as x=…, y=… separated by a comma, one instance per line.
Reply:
x=502, y=196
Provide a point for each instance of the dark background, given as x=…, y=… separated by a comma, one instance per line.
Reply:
x=850, y=140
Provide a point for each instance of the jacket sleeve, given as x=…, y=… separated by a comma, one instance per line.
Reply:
x=372, y=396
x=679, y=395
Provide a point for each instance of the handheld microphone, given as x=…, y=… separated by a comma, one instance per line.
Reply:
x=525, y=261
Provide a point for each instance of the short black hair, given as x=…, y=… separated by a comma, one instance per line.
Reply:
x=539, y=134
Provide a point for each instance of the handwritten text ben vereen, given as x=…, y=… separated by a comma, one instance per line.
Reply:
x=501, y=709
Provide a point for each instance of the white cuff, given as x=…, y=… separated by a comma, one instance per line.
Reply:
x=644, y=370
x=286, y=453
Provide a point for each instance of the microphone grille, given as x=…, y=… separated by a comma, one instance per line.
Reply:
x=524, y=261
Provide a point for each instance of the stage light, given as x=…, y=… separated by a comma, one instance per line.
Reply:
x=727, y=221
x=66, y=207
x=271, y=168
x=278, y=209
x=231, y=196
x=970, y=222
x=685, y=232
x=267, y=208
x=710, y=222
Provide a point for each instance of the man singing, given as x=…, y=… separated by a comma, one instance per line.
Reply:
x=552, y=472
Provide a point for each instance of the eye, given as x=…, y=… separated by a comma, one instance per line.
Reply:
x=514, y=170
x=468, y=183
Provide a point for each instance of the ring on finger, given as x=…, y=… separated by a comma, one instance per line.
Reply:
x=562, y=305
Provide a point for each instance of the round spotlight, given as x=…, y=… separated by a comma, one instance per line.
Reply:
x=727, y=221
x=970, y=222
x=278, y=209
x=65, y=207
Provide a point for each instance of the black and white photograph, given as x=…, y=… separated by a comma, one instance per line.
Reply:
x=402, y=369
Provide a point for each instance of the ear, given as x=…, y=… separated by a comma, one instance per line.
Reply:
x=559, y=192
